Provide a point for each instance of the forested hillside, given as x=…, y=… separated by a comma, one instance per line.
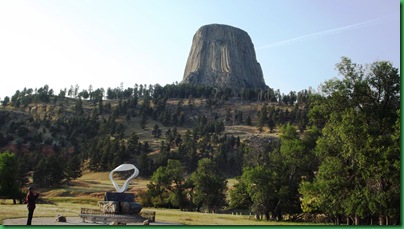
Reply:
x=335, y=151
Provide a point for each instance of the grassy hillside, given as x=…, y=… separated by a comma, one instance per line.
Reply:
x=46, y=113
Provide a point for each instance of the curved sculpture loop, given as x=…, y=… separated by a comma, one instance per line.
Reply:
x=123, y=167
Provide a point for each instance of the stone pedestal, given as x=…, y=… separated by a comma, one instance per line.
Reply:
x=119, y=203
x=112, y=207
x=120, y=197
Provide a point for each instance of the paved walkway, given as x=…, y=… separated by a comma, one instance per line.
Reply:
x=70, y=221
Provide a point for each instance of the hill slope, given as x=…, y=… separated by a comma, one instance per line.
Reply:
x=141, y=126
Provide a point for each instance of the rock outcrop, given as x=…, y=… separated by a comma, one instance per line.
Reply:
x=223, y=56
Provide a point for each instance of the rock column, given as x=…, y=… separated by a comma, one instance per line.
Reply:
x=223, y=56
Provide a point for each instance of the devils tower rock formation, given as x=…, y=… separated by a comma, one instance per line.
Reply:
x=223, y=56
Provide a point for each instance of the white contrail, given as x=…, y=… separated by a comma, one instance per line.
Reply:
x=325, y=32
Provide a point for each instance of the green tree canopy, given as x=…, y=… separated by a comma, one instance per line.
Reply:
x=210, y=185
x=9, y=185
x=358, y=157
x=167, y=186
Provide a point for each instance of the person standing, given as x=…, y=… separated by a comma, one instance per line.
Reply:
x=30, y=200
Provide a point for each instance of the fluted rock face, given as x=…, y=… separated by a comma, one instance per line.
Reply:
x=223, y=56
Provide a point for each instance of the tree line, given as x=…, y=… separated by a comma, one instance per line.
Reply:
x=338, y=152
x=156, y=92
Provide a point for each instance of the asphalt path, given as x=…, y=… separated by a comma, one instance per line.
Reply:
x=69, y=221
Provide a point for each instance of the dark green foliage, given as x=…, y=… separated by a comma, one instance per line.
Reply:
x=229, y=155
x=79, y=106
x=5, y=101
x=168, y=186
x=205, y=125
x=258, y=184
x=239, y=196
x=143, y=121
x=9, y=180
x=73, y=168
x=248, y=120
x=25, y=96
x=49, y=171
x=156, y=131
x=355, y=179
x=271, y=117
x=272, y=173
x=210, y=186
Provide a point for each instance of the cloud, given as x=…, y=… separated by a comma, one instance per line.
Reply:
x=324, y=33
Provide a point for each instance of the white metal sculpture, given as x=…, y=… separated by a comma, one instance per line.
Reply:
x=123, y=167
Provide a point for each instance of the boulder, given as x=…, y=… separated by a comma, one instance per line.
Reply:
x=60, y=218
x=130, y=207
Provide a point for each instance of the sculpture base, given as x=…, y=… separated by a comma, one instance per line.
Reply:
x=120, y=197
x=115, y=207
x=119, y=203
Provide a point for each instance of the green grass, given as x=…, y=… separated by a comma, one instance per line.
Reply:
x=198, y=218
x=51, y=208
x=70, y=207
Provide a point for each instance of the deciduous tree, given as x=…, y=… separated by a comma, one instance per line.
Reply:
x=9, y=185
x=210, y=186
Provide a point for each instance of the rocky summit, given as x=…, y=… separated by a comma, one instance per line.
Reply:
x=223, y=56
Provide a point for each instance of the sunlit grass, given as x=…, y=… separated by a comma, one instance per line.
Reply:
x=198, y=218
x=55, y=207
x=70, y=207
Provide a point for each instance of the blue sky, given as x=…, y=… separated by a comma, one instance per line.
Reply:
x=103, y=43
